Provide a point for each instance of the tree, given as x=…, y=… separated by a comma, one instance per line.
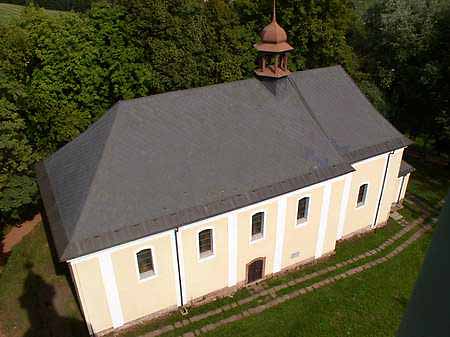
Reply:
x=18, y=189
x=190, y=43
x=407, y=54
x=317, y=29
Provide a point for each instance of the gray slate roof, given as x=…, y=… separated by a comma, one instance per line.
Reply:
x=163, y=161
x=405, y=168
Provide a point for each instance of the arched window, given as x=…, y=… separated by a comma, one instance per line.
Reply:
x=362, y=194
x=205, y=242
x=145, y=263
x=257, y=225
x=302, y=210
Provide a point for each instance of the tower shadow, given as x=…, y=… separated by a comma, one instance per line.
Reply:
x=37, y=299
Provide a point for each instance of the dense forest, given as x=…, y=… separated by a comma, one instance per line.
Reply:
x=59, y=73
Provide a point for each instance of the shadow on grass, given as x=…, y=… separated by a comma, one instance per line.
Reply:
x=59, y=267
x=37, y=299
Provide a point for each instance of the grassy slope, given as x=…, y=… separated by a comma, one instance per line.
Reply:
x=32, y=294
x=369, y=304
x=9, y=11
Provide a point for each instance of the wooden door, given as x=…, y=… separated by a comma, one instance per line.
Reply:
x=255, y=270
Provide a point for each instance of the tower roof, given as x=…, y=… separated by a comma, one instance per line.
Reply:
x=273, y=37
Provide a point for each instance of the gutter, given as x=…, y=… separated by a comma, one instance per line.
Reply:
x=382, y=188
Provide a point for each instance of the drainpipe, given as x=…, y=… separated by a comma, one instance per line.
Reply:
x=382, y=188
x=175, y=232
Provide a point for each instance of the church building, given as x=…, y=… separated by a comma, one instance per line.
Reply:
x=179, y=197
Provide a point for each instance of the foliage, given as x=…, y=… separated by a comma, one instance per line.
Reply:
x=317, y=29
x=189, y=43
x=17, y=187
x=407, y=53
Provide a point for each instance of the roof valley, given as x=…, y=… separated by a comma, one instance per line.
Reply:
x=313, y=116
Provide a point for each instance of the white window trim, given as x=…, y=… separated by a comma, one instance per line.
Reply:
x=213, y=245
x=300, y=223
x=360, y=206
x=136, y=264
x=263, y=236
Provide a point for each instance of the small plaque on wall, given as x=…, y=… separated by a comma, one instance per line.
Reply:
x=295, y=254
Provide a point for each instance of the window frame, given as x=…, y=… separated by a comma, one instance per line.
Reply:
x=364, y=202
x=136, y=263
x=261, y=236
x=212, y=254
x=302, y=222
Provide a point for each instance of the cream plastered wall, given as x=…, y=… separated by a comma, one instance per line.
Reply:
x=372, y=172
x=402, y=184
x=204, y=275
x=300, y=240
x=405, y=185
x=337, y=189
x=367, y=172
x=390, y=188
x=248, y=250
x=91, y=292
x=138, y=297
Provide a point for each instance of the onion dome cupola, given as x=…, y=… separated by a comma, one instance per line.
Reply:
x=273, y=49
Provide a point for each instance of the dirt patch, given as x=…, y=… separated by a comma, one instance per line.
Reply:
x=16, y=234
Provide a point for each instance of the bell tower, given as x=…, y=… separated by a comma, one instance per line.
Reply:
x=273, y=50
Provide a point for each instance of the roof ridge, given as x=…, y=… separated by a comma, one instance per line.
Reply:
x=113, y=110
x=218, y=84
x=229, y=83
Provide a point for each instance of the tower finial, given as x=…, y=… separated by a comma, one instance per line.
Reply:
x=274, y=18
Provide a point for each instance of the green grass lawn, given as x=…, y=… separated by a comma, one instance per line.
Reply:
x=33, y=297
x=9, y=11
x=369, y=304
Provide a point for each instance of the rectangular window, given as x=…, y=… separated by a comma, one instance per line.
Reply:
x=362, y=193
x=145, y=263
x=257, y=225
x=205, y=242
x=302, y=210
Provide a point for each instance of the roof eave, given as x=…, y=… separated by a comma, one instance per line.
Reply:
x=52, y=214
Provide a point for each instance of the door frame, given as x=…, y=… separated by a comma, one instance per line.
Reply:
x=263, y=258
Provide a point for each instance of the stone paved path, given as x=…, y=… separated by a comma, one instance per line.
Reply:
x=271, y=298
